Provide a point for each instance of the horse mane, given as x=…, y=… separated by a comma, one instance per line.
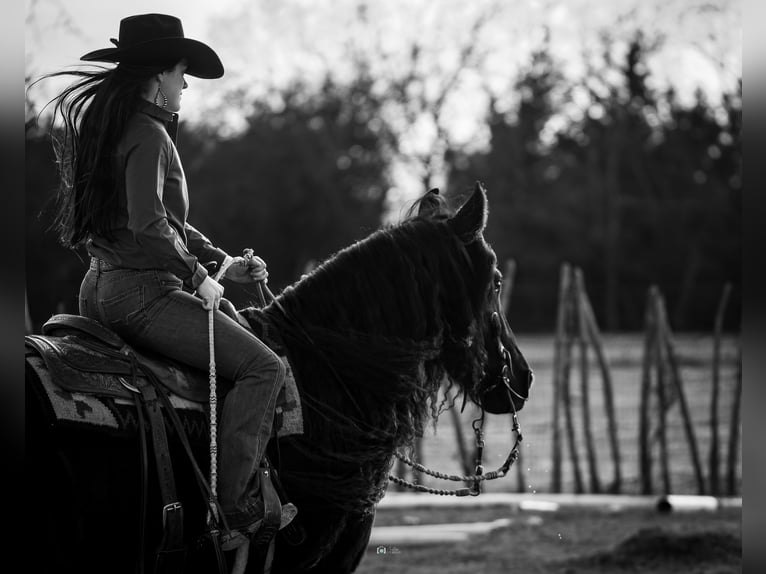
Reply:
x=383, y=324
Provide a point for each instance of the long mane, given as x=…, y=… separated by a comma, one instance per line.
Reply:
x=373, y=333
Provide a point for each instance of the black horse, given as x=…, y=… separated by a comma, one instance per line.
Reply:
x=372, y=334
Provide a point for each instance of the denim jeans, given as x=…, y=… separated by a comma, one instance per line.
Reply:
x=149, y=309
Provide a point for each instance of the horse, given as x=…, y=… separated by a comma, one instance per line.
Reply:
x=377, y=336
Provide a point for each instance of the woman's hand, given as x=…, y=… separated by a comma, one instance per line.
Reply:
x=210, y=291
x=250, y=269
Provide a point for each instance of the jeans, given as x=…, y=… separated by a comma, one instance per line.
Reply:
x=149, y=309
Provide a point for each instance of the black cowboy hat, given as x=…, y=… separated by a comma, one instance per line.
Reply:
x=150, y=39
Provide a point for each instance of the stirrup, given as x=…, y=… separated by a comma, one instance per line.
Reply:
x=235, y=538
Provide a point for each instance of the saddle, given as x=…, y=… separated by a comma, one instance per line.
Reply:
x=90, y=358
x=85, y=372
x=79, y=359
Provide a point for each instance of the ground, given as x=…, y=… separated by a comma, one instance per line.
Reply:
x=569, y=541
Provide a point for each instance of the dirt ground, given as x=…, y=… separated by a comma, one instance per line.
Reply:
x=570, y=541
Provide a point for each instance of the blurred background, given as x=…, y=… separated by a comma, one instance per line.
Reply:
x=608, y=136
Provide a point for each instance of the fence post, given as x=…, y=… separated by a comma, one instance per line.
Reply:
x=713, y=460
x=734, y=431
x=401, y=470
x=663, y=400
x=582, y=324
x=606, y=378
x=564, y=281
x=462, y=449
x=566, y=396
x=650, y=334
x=675, y=376
x=417, y=476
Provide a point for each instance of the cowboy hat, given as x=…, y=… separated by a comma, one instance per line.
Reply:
x=149, y=39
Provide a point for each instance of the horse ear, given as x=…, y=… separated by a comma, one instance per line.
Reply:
x=429, y=203
x=471, y=219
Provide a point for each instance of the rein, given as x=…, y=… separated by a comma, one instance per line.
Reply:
x=479, y=476
x=213, y=404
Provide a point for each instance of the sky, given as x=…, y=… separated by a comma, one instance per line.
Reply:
x=265, y=45
x=262, y=42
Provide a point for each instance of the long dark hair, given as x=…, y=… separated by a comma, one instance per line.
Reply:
x=94, y=110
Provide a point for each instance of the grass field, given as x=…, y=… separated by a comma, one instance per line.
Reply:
x=624, y=354
x=569, y=541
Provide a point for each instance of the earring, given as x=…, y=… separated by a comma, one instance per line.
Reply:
x=157, y=98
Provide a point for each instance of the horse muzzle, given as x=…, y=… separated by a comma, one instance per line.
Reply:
x=509, y=389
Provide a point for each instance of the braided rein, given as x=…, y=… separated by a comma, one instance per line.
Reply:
x=479, y=476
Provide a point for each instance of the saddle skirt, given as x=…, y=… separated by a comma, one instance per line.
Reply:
x=85, y=379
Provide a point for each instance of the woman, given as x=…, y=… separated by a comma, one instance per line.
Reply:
x=123, y=196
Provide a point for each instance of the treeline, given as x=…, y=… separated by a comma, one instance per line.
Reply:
x=639, y=190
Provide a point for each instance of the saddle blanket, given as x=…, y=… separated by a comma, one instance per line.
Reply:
x=117, y=414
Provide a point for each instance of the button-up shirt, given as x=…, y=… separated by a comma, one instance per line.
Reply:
x=151, y=230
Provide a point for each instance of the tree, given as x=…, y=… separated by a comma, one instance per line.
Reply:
x=637, y=190
x=528, y=191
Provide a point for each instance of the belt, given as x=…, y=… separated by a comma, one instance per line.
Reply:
x=100, y=265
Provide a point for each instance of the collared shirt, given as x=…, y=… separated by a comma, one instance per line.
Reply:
x=151, y=230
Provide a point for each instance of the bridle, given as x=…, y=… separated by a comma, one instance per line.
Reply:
x=479, y=476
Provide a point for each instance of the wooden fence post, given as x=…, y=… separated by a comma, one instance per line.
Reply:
x=734, y=432
x=644, y=450
x=713, y=461
x=582, y=325
x=564, y=282
x=462, y=449
x=663, y=400
x=675, y=376
x=417, y=476
x=401, y=471
x=606, y=378
x=566, y=396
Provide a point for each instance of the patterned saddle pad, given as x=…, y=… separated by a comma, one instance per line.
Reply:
x=79, y=386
